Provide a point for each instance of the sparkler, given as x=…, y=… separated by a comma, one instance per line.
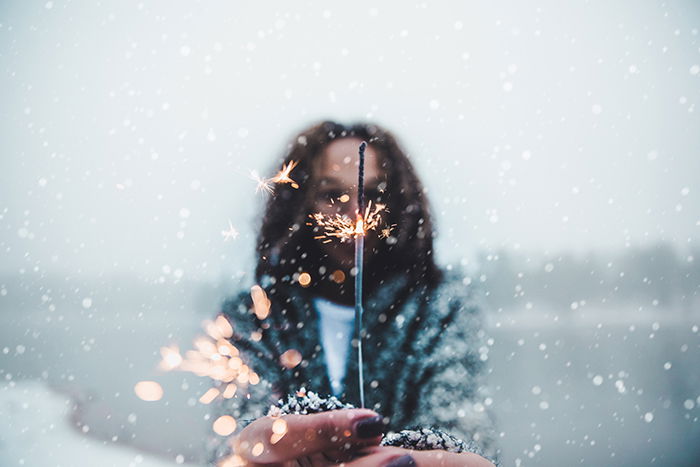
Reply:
x=343, y=228
x=359, y=263
x=215, y=357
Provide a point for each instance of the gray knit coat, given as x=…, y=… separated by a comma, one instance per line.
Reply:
x=424, y=350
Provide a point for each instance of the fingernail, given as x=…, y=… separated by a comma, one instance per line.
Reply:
x=403, y=461
x=370, y=427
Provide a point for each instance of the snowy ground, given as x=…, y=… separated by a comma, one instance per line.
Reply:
x=92, y=344
x=591, y=388
x=37, y=431
x=597, y=391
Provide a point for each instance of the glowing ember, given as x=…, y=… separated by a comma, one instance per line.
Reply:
x=344, y=228
x=148, y=391
x=226, y=348
x=261, y=303
x=206, y=347
x=265, y=185
x=290, y=358
x=230, y=391
x=338, y=276
x=218, y=329
x=171, y=358
x=232, y=461
x=235, y=363
x=209, y=396
x=257, y=449
x=283, y=175
x=386, y=232
x=279, y=429
x=224, y=425
x=304, y=279
x=213, y=356
x=224, y=326
x=279, y=426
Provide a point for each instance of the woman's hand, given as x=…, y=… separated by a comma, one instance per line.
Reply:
x=388, y=456
x=323, y=439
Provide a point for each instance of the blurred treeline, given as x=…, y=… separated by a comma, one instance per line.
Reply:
x=657, y=277
x=637, y=278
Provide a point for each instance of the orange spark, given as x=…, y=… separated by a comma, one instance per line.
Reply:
x=224, y=425
x=290, y=358
x=257, y=449
x=148, y=391
x=261, y=304
x=235, y=363
x=234, y=460
x=386, y=232
x=279, y=429
x=230, y=391
x=338, y=276
x=214, y=356
x=209, y=396
x=283, y=175
x=226, y=348
x=344, y=228
x=224, y=326
x=171, y=358
x=264, y=184
x=304, y=279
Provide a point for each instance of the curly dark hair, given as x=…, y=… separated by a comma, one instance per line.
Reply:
x=286, y=243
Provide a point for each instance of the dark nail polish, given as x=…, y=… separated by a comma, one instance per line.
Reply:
x=370, y=427
x=403, y=461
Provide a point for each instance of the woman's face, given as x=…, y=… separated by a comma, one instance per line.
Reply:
x=336, y=190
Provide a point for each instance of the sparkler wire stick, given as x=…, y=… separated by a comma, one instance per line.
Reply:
x=359, y=249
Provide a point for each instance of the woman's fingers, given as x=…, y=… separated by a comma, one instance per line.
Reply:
x=377, y=456
x=270, y=440
x=386, y=456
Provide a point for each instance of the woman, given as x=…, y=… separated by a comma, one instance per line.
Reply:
x=421, y=365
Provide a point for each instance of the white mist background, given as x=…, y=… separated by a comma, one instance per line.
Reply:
x=541, y=125
x=129, y=130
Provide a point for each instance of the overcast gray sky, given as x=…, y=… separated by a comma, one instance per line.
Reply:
x=129, y=128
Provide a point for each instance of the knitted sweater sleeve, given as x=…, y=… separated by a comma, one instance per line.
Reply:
x=452, y=394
